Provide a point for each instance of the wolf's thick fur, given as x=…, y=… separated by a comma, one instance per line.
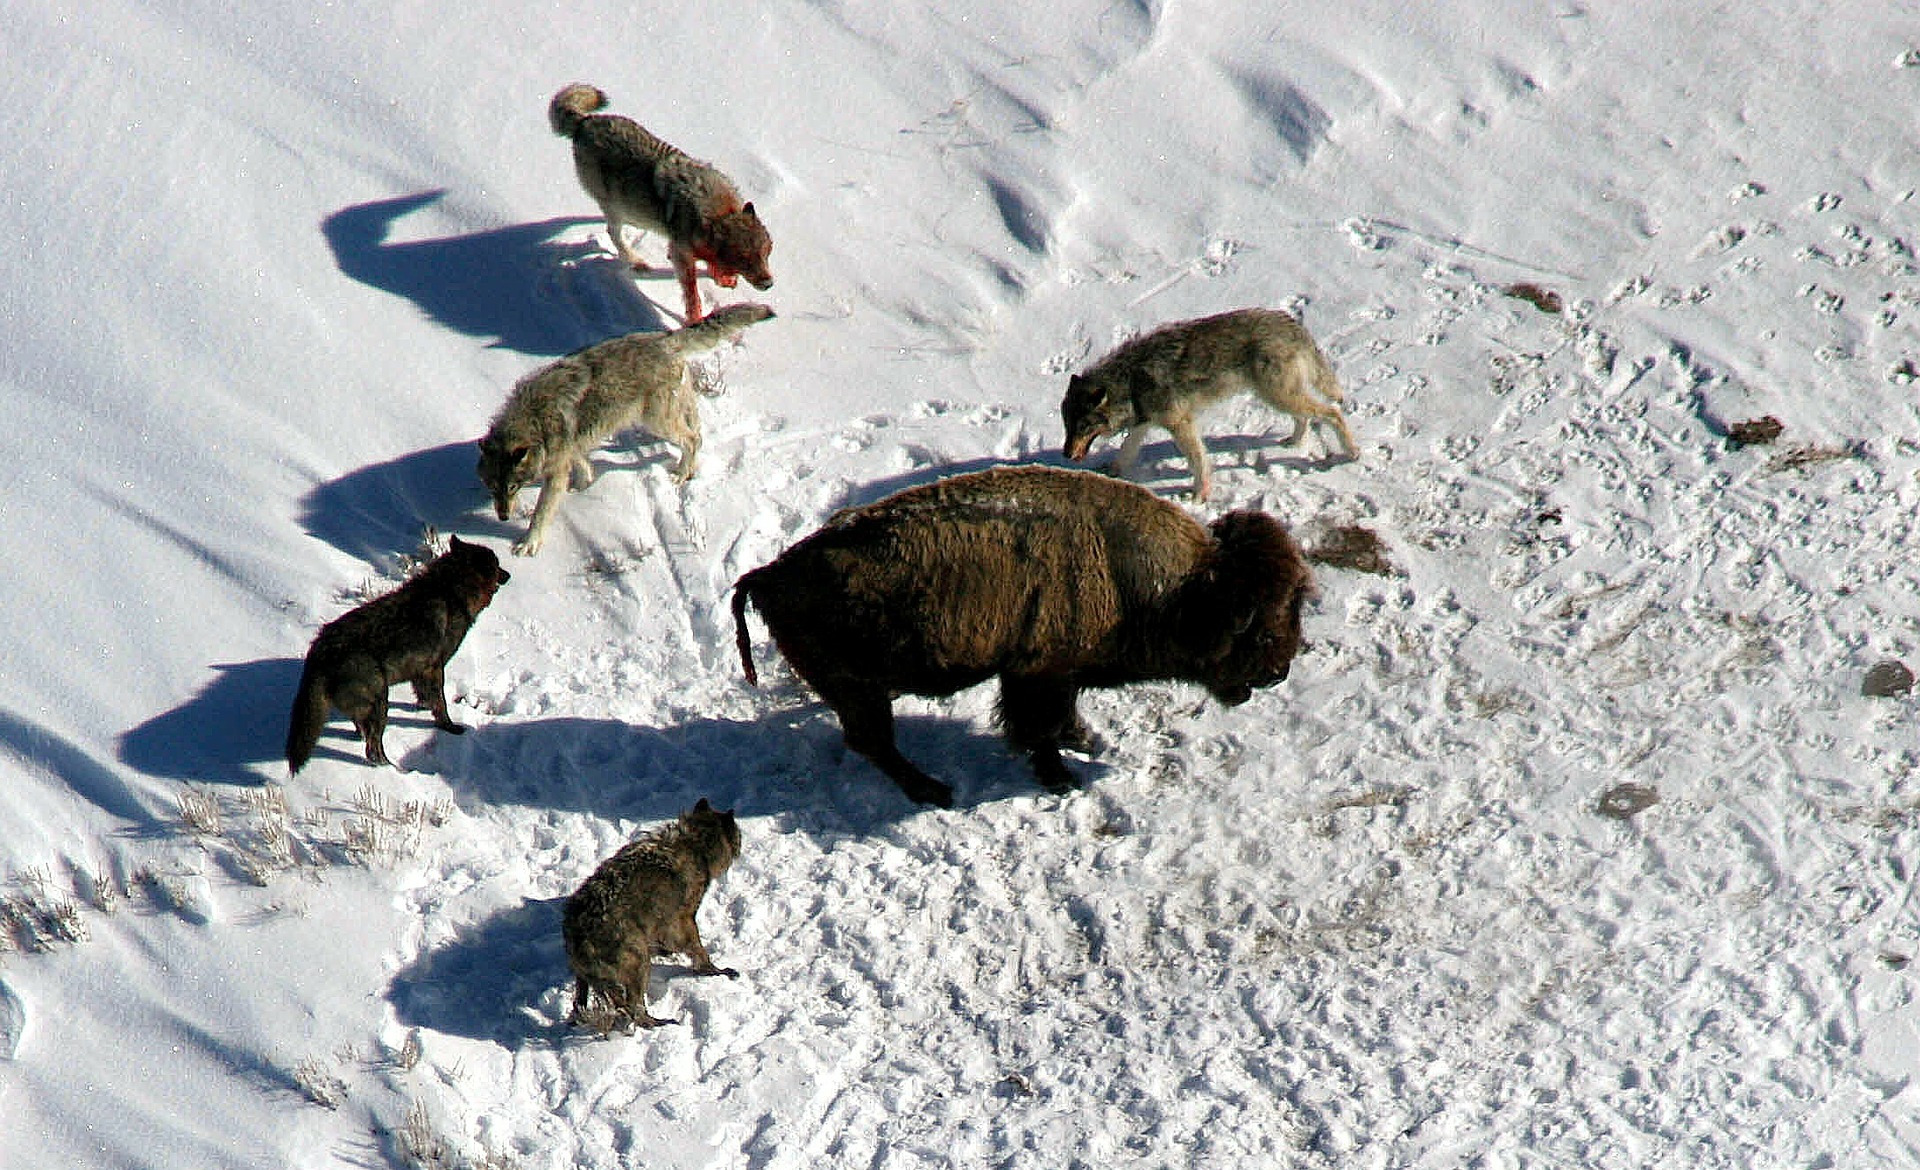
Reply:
x=1053, y=580
x=1167, y=376
x=639, y=179
x=558, y=414
x=641, y=903
x=407, y=635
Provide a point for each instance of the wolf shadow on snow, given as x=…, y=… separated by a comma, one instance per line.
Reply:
x=514, y=285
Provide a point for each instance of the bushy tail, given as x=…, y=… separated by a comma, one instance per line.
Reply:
x=1324, y=380
x=716, y=328
x=309, y=718
x=740, y=599
x=572, y=104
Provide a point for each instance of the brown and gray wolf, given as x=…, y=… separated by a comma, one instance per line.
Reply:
x=407, y=635
x=638, y=904
x=640, y=180
x=558, y=414
x=1051, y=580
x=1165, y=377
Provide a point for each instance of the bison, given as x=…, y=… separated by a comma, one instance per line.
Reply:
x=1053, y=580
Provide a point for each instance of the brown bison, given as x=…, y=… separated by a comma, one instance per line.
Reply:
x=1053, y=580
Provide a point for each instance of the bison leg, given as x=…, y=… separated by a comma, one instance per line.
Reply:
x=866, y=722
x=1037, y=713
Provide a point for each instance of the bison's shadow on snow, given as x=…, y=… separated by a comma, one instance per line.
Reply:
x=788, y=764
x=513, y=286
x=872, y=491
x=1161, y=469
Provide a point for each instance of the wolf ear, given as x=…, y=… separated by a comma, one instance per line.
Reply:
x=748, y=211
x=454, y=544
x=702, y=806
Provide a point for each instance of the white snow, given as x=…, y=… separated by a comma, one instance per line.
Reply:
x=272, y=270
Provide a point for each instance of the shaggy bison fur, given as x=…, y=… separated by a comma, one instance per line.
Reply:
x=1052, y=580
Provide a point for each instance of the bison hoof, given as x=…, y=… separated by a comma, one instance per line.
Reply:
x=1053, y=774
x=1081, y=738
x=927, y=790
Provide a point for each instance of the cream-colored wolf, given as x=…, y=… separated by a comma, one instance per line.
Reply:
x=558, y=414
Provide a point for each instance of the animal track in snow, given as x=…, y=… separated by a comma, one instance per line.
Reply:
x=1365, y=235
x=1824, y=300
x=1723, y=239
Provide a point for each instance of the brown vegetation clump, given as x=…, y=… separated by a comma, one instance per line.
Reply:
x=1349, y=546
x=1755, y=432
x=1543, y=299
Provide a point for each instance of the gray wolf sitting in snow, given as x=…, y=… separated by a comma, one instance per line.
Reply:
x=638, y=904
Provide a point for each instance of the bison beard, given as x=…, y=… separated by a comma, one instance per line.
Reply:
x=1051, y=580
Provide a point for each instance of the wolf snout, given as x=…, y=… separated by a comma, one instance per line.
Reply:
x=762, y=281
x=1077, y=447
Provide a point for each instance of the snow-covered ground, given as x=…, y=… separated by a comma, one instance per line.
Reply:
x=272, y=271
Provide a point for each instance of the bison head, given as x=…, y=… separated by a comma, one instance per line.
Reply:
x=1240, y=618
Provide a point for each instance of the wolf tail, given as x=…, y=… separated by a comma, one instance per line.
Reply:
x=1324, y=379
x=309, y=717
x=717, y=327
x=571, y=105
x=741, y=596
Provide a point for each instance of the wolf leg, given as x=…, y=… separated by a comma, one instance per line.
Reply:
x=617, y=232
x=1338, y=421
x=1187, y=438
x=430, y=691
x=550, y=492
x=372, y=724
x=636, y=971
x=685, y=267
x=1130, y=450
x=679, y=424
x=688, y=932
